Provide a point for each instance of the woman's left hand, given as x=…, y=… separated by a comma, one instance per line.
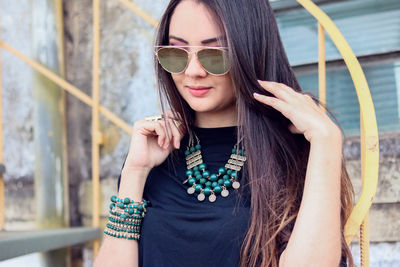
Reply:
x=306, y=116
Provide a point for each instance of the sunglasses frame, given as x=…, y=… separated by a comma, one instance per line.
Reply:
x=189, y=53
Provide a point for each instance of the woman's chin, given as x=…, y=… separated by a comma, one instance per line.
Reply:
x=201, y=109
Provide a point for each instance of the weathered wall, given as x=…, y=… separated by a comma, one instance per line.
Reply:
x=17, y=93
x=77, y=24
x=385, y=213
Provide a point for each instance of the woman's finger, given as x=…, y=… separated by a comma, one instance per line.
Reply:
x=165, y=129
x=167, y=138
x=278, y=90
x=153, y=128
x=175, y=134
x=276, y=103
x=160, y=132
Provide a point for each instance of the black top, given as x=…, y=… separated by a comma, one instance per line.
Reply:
x=179, y=230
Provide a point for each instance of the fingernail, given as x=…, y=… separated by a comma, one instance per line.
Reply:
x=256, y=94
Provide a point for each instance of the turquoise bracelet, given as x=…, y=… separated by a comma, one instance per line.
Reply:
x=127, y=203
x=125, y=218
x=133, y=236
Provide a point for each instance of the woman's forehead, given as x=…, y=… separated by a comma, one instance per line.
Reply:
x=194, y=23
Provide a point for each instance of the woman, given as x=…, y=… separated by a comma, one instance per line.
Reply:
x=222, y=68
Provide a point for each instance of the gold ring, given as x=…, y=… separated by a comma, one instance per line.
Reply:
x=177, y=123
x=154, y=118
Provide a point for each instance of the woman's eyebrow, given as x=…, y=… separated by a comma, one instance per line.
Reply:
x=207, y=41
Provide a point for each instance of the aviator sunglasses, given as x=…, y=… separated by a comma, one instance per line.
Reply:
x=175, y=59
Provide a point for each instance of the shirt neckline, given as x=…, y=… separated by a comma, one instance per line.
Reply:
x=215, y=135
x=214, y=129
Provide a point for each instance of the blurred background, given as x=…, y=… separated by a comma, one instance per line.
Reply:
x=47, y=132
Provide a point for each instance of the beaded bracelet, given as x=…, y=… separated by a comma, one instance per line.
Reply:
x=125, y=218
x=127, y=203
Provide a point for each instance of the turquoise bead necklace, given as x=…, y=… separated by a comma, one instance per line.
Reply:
x=201, y=181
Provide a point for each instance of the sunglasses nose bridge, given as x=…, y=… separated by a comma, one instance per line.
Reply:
x=192, y=55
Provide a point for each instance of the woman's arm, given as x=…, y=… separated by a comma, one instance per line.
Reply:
x=119, y=251
x=316, y=236
x=150, y=145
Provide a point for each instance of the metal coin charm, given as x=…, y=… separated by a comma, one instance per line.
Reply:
x=236, y=185
x=201, y=197
x=190, y=190
x=212, y=198
x=225, y=193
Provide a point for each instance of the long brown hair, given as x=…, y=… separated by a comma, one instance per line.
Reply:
x=277, y=159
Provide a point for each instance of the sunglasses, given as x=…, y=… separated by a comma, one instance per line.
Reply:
x=175, y=59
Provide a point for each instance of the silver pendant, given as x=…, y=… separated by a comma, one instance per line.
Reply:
x=190, y=190
x=201, y=197
x=225, y=193
x=236, y=185
x=212, y=198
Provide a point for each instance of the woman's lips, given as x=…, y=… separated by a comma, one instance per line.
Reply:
x=199, y=91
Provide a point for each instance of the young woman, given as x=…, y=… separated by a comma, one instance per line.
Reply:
x=244, y=169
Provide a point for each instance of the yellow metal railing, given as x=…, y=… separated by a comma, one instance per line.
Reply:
x=369, y=132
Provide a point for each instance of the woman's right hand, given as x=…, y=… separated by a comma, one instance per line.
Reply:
x=151, y=144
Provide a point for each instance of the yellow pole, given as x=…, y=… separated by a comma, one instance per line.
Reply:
x=321, y=66
x=95, y=120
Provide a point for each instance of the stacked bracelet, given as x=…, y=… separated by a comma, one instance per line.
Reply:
x=125, y=218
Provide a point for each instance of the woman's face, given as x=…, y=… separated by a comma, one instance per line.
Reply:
x=192, y=25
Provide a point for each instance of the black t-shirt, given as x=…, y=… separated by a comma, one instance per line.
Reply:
x=179, y=230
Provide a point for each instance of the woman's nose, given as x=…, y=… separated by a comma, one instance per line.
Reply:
x=194, y=67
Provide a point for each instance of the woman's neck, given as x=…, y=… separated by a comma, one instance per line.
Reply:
x=220, y=118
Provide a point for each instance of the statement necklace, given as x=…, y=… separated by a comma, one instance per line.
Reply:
x=201, y=181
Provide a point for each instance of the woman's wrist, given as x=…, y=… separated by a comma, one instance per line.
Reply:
x=136, y=170
x=328, y=137
x=132, y=183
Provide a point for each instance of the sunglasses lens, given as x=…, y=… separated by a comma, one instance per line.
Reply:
x=215, y=61
x=172, y=59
